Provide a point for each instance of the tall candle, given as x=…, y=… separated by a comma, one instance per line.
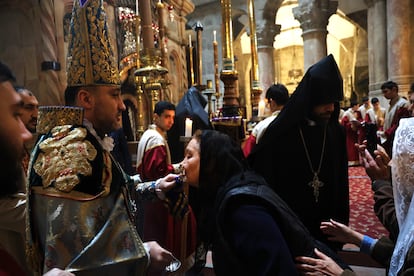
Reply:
x=216, y=71
x=161, y=32
x=214, y=36
x=188, y=127
x=261, y=110
x=144, y=7
x=136, y=8
x=189, y=41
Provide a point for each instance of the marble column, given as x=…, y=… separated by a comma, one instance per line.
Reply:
x=398, y=43
x=377, y=47
x=265, y=38
x=255, y=88
x=313, y=16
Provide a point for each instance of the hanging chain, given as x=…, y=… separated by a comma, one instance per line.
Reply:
x=315, y=183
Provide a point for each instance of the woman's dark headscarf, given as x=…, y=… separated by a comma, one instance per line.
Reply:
x=220, y=159
x=321, y=84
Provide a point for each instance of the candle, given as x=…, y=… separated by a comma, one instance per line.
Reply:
x=214, y=36
x=188, y=127
x=144, y=8
x=189, y=41
x=136, y=8
x=261, y=110
x=216, y=70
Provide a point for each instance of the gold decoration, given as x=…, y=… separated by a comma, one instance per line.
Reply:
x=64, y=157
x=51, y=116
x=90, y=56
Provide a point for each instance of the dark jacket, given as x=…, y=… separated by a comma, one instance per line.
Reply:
x=256, y=232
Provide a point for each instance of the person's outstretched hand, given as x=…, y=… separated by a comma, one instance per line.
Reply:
x=159, y=257
x=377, y=167
x=340, y=232
x=58, y=272
x=167, y=183
x=323, y=265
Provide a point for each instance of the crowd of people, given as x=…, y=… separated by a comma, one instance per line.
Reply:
x=70, y=205
x=370, y=121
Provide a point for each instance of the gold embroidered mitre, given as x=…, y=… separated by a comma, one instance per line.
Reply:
x=90, y=55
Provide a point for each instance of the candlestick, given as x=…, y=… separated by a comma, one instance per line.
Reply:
x=214, y=36
x=161, y=31
x=190, y=52
x=188, y=127
x=189, y=41
x=146, y=23
x=216, y=72
x=261, y=110
x=199, y=29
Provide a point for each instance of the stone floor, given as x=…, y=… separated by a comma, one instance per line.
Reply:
x=368, y=271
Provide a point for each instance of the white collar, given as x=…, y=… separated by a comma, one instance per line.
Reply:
x=107, y=142
x=310, y=122
x=157, y=129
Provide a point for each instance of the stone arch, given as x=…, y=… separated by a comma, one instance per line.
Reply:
x=266, y=11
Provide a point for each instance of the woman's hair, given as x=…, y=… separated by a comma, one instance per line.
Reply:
x=220, y=159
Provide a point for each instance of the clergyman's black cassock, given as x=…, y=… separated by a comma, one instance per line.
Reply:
x=281, y=158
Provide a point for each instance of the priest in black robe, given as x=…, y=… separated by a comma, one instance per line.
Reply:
x=302, y=155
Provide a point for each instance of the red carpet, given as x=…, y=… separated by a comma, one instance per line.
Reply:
x=362, y=216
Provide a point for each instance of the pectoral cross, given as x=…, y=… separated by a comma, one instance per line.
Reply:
x=316, y=184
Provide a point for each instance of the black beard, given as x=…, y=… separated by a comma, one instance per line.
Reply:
x=11, y=170
x=11, y=177
x=319, y=120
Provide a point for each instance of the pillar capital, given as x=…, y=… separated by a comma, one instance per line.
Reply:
x=371, y=3
x=266, y=34
x=314, y=15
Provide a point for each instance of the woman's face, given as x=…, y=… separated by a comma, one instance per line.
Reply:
x=191, y=163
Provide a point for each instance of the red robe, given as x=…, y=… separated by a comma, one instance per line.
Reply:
x=8, y=266
x=352, y=135
x=400, y=113
x=258, y=132
x=159, y=224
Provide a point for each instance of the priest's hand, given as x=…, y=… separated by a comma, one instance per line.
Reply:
x=58, y=272
x=167, y=183
x=160, y=258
